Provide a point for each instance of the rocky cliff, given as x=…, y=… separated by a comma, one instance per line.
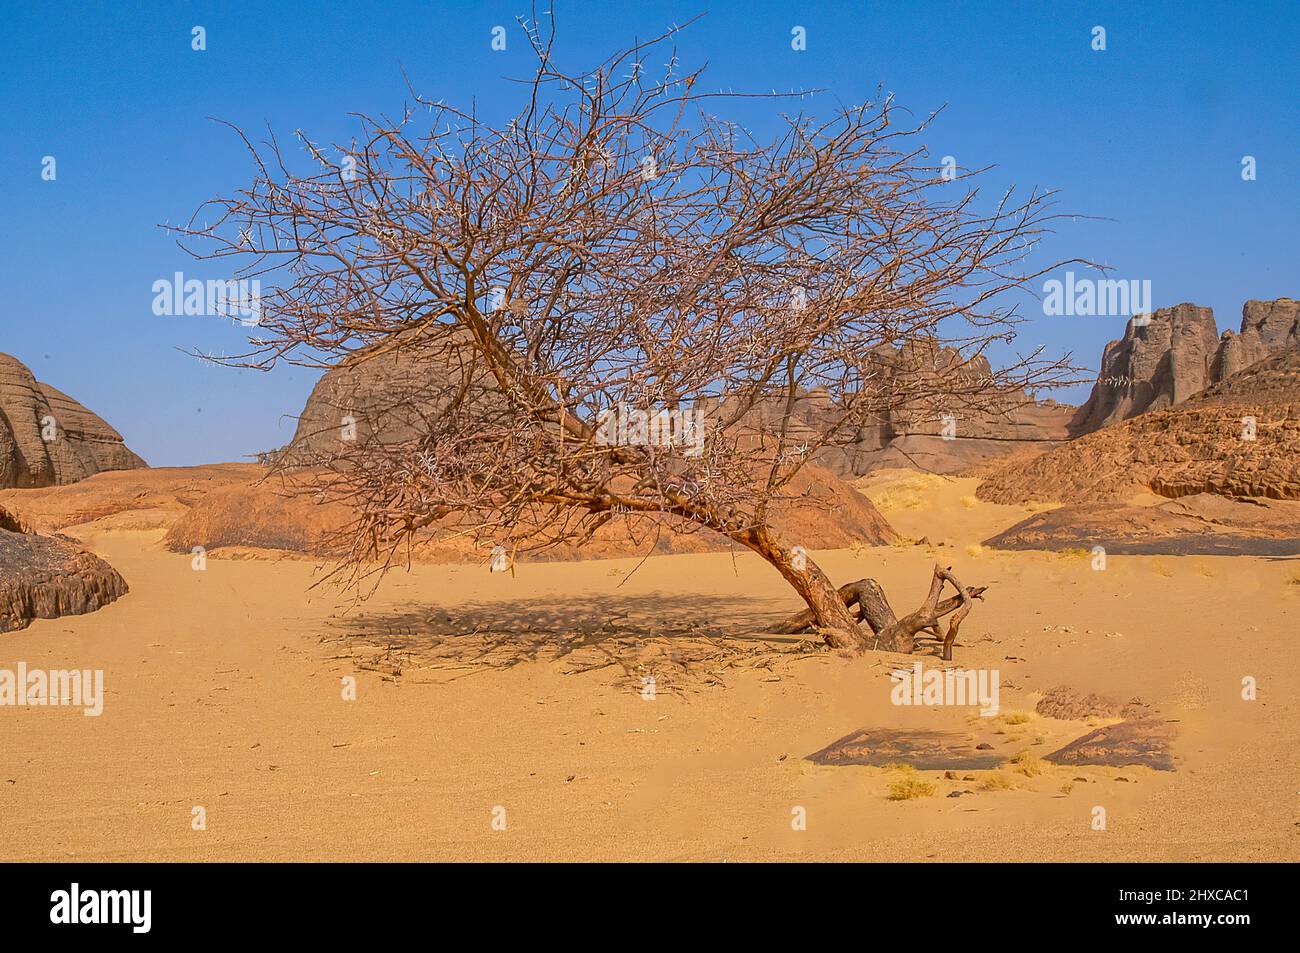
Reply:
x=1177, y=353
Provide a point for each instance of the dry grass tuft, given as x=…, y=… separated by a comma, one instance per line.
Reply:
x=1027, y=763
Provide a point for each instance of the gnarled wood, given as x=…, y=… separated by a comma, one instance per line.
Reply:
x=892, y=634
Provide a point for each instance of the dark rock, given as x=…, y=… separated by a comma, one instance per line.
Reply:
x=924, y=750
x=1144, y=741
x=43, y=577
x=1065, y=703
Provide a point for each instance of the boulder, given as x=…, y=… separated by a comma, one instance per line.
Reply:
x=43, y=577
x=388, y=393
x=47, y=438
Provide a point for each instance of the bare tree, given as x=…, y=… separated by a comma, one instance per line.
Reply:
x=617, y=247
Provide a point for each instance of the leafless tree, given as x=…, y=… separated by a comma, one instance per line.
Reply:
x=617, y=244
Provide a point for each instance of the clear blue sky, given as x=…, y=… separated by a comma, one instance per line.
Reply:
x=1149, y=133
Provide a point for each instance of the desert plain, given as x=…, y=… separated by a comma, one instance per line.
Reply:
x=505, y=716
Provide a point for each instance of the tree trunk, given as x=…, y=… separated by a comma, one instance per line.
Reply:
x=827, y=611
x=892, y=634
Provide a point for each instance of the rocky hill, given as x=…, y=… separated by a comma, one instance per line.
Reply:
x=49, y=439
x=1240, y=438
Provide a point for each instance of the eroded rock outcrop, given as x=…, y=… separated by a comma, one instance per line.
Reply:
x=823, y=512
x=1200, y=525
x=49, y=439
x=1168, y=357
x=937, y=412
x=390, y=392
x=1142, y=741
x=1240, y=438
x=43, y=577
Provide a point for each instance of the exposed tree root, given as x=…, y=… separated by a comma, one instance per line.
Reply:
x=890, y=633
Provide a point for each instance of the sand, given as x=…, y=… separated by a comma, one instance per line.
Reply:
x=223, y=691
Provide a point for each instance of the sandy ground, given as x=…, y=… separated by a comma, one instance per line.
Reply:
x=224, y=692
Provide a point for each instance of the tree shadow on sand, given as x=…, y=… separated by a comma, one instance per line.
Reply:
x=656, y=635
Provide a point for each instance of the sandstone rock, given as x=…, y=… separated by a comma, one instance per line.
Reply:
x=1179, y=352
x=395, y=393
x=1241, y=437
x=150, y=498
x=1066, y=703
x=1200, y=525
x=1266, y=328
x=43, y=578
x=277, y=514
x=387, y=394
x=956, y=429
x=79, y=443
x=1155, y=365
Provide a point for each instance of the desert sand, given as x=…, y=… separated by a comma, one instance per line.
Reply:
x=479, y=691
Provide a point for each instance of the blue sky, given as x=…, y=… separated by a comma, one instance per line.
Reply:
x=1148, y=135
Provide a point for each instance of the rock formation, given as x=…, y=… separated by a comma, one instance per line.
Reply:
x=43, y=578
x=150, y=498
x=1142, y=741
x=952, y=422
x=388, y=392
x=1200, y=525
x=47, y=438
x=823, y=513
x=1241, y=438
x=1178, y=352
x=1266, y=327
